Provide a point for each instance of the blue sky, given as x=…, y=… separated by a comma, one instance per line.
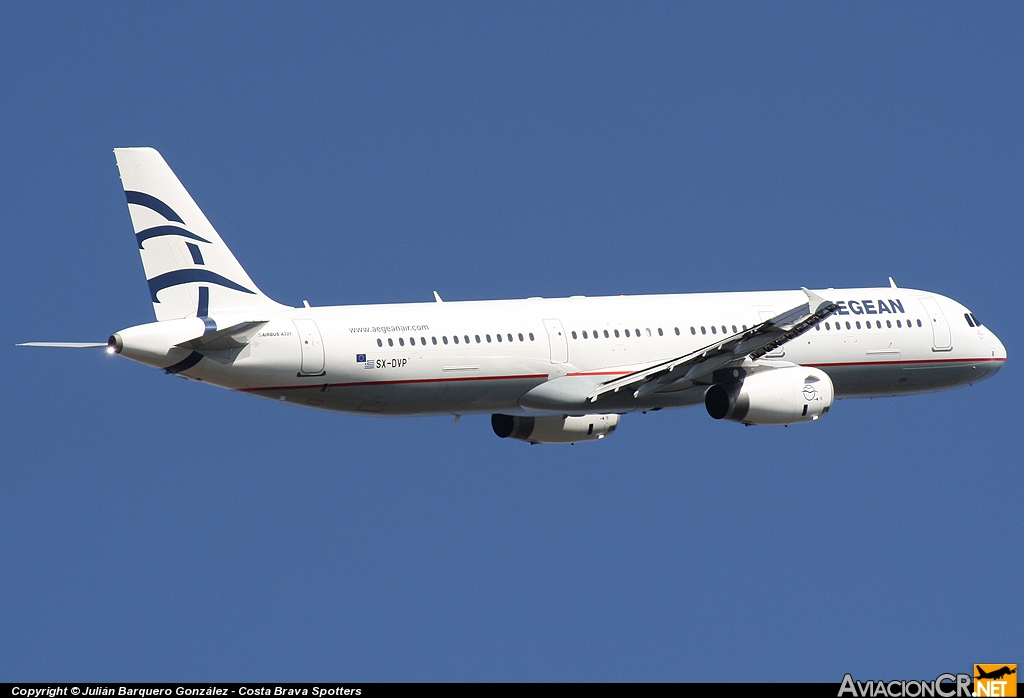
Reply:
x=154, y=529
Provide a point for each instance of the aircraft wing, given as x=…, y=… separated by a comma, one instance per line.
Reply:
x=753, y=344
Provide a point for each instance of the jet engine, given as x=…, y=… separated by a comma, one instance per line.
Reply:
x=776, y=396
x=554, y=430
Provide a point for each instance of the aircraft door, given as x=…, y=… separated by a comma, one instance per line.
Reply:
x=557, y=341
x=941, y=338
x=312, y=347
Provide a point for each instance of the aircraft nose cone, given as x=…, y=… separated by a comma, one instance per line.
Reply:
x=996, y=356
x=998, y=350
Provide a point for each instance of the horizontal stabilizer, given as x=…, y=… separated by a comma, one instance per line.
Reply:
x=65, y=345
x=229, y=338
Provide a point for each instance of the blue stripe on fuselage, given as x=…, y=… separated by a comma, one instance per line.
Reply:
x=185, y=364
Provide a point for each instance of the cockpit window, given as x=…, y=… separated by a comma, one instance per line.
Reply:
x=967, y=316
x=978, y=324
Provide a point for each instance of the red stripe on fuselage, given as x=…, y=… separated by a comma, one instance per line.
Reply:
x=594, y=373
x=457, y=379
x=914, y=361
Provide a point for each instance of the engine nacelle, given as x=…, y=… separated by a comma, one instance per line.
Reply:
x=776, y=396
x=554, y=430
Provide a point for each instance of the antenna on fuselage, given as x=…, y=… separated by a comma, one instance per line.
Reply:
x=437, y=297
x=892, y=284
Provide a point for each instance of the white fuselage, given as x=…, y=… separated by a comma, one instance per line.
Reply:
x=539, y=356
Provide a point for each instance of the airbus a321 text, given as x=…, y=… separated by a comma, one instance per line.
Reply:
x=559, y=370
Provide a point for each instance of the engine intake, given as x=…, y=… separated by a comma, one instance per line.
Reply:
x=776, y=396
x=554, y=430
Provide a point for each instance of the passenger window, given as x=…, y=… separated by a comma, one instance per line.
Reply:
x=899, y=324
x=509, y=335
x=693, y=330
x=433, y=340
x=455, y=338
x=648, y=331
x=734, y=330
x=477, y=337
x=919, y=324
x=677, y=332
x=627, y=332
x=379, y=343
x=827, y=327
x=744, y=328
x=660, y=333
x=498, y=336
x=858, y=324
x=616, y=333
x=466, y=338
x=637, y=331
x=423, y=341
x=888, y=323
x=531, y=336
x=848, y=325
x=585, y=335
x=703, y=330
x=714, y=330
x=606, y=334
x=521, y=337
x=725, y=330
x=391, y=342
x=445, y=339
x=818, y=327
x=401, y=342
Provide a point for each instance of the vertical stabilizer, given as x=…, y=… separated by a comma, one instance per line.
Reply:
x=191, y=272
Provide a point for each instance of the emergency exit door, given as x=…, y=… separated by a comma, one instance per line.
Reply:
x=312, y=347
x=941, y=338
x=557, y=341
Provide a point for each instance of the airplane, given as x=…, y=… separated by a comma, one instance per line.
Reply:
x=560, y=370
x=995, y=673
